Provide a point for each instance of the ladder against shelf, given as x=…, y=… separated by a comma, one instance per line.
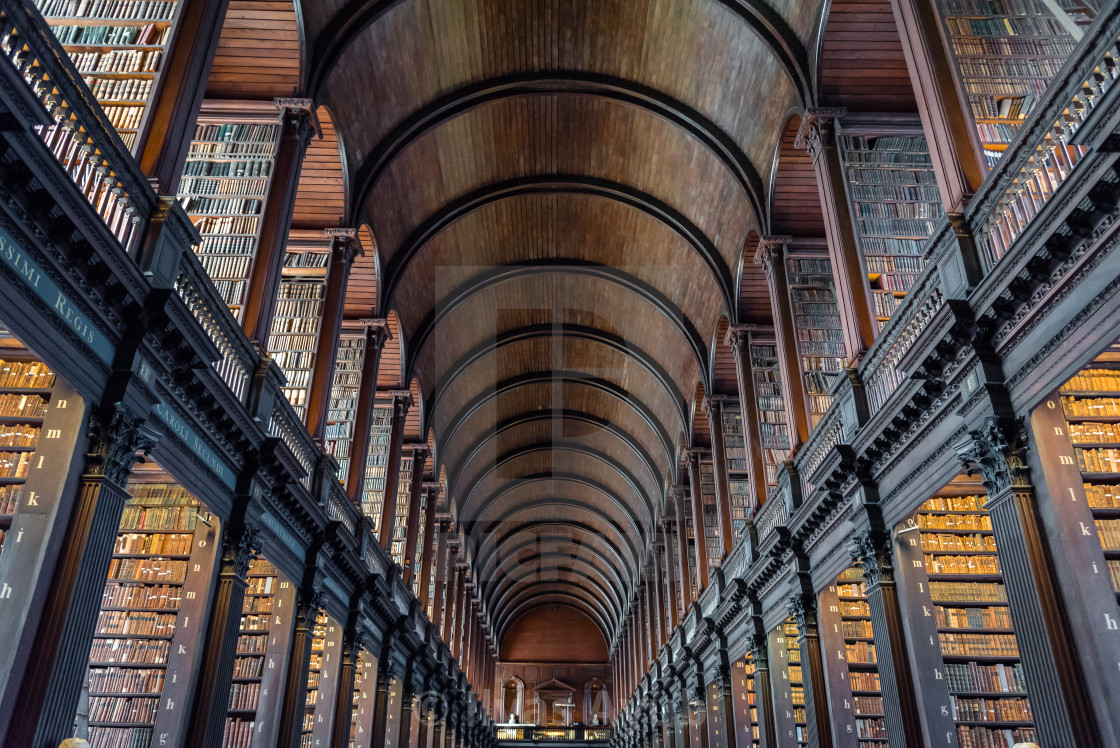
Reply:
x=345, y=381
x=816, y=318
x=895, y=204
x=852, y=666
x=957, y=571
x=1006, y=53
x=161, y=570
x=225, y=179
x=118, y=46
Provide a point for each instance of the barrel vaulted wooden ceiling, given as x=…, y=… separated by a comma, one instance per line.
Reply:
x=560, y=201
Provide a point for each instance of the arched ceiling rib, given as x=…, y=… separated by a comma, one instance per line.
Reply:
x=560, y=193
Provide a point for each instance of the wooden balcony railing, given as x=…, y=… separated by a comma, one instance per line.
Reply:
x=528, y=733
x=80, y=136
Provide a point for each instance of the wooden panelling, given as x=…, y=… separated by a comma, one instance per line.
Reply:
x=553, y=634
x=723, y=369
x=259, y=52
x=795, y=207
x=861, y=63
x=321, y=197
x=754, y=292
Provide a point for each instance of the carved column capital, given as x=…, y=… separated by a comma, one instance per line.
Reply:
x=757, y=647
x=239, y=549
x=738, y=337
x=713, y=404
x=872, y=551
x=771, y=251
x=803, y=609
x=402, y=401
x=817, y=129
x=309, y=605
x=998, y=450
x=345, y=247
x=115, y=439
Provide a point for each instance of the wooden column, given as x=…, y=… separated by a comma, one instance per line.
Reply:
x=772, y=254
x=219, y=648
x=408, y=696
x=308, y=605
x=437, y=733
x=692, y=460
x=48, y=694
x=168, y=126
x=853, y=292
x=377, y=332
x=449, y=591
x=412, y=522
x=763, y=688
x=431, y=491
x=402, y=400
x=872, y=550
x=739, y=338
x=1058, y=691
x=296, y=128
x=803, y=608
x=954, y=146
x=658, y=597
x=441, y=574
x=423, y=735
x=713, y=406
x=386, y=675
x=344, y=248
x=344, y=695
x=685, y=578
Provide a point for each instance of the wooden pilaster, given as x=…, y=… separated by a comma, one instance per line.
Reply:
x=853, y=293
x=308, y=605
x=168, y=126
x=431, y=490
x=713, y=406
x=352, y=641
x=412, y=522
x=48, y=694
x=685, y=578
x=803, y=608
x=296, y=128
x=402, y=400
x=872, y=550
x=954, y=145
x=219, y=649
x=377, y=332
x=772, y=254
x=692, y=460
x=1059, y=700
x=344, y=248
x=739, y=338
